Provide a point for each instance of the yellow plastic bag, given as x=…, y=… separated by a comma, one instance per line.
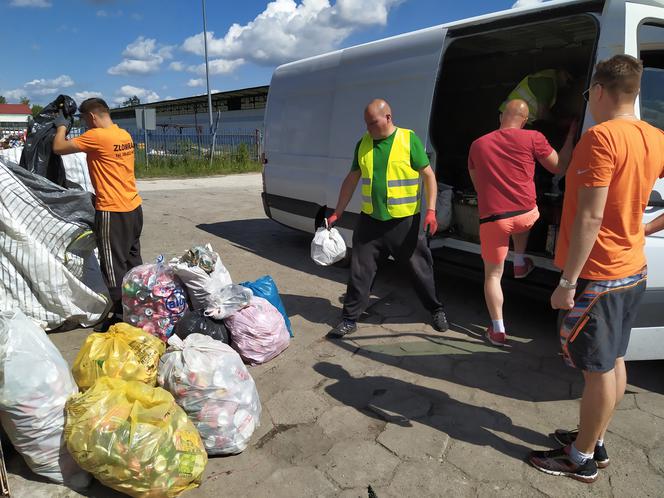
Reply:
x=124, y=352
x=134, y=438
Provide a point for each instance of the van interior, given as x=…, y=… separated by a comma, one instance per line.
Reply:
x=478, y=72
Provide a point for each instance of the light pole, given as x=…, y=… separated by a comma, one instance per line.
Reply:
x=207, y=70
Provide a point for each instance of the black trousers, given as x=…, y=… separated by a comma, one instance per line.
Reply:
x=118, y=241
x=373, y=240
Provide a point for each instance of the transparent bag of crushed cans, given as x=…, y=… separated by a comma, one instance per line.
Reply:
x=153, y=298
x=212, y=385
x=124, y=352
x=34, y=386
x=134, y=438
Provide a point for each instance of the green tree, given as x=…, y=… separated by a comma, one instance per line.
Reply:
x=25, y=100
x=131, y=101
x=3, y=100
x=36, y=109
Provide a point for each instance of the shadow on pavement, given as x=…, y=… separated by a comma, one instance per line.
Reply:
x=267, y=239
x=476, y=425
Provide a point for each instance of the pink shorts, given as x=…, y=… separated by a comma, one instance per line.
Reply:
x=495, y=235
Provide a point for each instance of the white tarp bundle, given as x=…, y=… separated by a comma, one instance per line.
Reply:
x=76, y=167
x=45, y=258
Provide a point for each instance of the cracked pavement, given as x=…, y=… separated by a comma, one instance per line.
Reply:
x=396, y=406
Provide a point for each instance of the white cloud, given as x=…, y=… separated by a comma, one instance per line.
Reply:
x=176, y=66
x=526, y=3
x=196, y=82
x=287, y=30
x=84, y=95
x=43, y=86
x=142, y=56
x=30, y=3
x=127, y=91
x=40, y=89
x=136, y=17
x=217, y=66
x=102, y=13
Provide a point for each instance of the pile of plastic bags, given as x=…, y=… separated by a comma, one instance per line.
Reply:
x=35, y=383
x=153, y=298
x=124, y=352
x=210, y=382
x=134, y=438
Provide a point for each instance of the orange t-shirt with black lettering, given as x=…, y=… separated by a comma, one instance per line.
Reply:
x=110, y=159
x=626, y=156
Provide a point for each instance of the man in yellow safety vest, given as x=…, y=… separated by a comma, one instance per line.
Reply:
x=390, y=162
x=540, y=91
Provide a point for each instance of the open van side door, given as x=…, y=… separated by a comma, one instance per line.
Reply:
x=402, y=70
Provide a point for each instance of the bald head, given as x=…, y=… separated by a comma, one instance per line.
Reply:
x=515, y=114
x=378, y=118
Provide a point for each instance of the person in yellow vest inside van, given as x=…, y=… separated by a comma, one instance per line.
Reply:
x=540, y=91
x=390, y=163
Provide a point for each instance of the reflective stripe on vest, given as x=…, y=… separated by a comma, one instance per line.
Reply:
x=403, y=182
x=525, y=93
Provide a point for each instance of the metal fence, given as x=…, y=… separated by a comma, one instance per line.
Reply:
x=172, y=143
x=232, y=144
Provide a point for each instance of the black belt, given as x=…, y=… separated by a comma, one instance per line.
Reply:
x=502, y=216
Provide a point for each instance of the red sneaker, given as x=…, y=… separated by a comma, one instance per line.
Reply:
x=496, y=338
x=524, y=270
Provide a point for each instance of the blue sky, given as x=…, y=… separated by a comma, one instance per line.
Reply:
x=154, y=49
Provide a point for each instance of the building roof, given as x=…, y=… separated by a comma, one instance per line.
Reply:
x=15, y=109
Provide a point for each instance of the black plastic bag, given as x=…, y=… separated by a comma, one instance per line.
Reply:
x=38, y=156
x=195, y=322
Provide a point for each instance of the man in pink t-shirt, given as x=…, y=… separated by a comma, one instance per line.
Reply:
x=502, y=168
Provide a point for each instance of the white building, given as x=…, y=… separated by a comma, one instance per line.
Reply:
x=239, y=110
x=14, y=118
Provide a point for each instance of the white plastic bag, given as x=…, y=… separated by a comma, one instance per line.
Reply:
x=212, y=385
x=35, y=383
x=202, y=273
x=258, y=332
x=328, y=246
x=444, y=206
x=227, y=301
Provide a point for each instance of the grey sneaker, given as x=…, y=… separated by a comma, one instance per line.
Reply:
x=344, y=328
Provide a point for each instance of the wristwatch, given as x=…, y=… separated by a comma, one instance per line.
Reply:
x=566, y=284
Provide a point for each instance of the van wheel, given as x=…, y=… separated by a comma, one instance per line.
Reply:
x=344, y=263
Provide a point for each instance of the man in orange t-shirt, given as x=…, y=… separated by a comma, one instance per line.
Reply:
x=601, y=254
x=119, y=215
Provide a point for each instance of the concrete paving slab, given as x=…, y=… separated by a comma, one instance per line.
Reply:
x=420, y=441
x=353, y=464
x=430, y=479
x=292, y=407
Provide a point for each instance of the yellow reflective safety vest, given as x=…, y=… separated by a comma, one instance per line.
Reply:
x=403, y=182
x=524, y=92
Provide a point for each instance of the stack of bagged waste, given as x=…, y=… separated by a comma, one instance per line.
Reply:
x=252, y=312
x=126, y=432
x=35, y=384
x=212, y=385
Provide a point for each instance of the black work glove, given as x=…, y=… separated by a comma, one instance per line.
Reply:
x=60, y=120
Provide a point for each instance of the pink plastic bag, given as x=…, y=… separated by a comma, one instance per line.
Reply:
x=258, y=332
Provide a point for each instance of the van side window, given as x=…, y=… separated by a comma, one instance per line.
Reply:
x=651, y=52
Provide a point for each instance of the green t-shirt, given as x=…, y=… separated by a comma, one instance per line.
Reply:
x=381, y=153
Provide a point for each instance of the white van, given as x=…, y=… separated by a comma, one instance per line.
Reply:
x=446, y=83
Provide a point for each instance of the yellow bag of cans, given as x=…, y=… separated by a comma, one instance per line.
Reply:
x=124, y=352
x=134, y=438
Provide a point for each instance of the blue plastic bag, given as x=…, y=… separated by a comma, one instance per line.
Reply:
x=266, y=288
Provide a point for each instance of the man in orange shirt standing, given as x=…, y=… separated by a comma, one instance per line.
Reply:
x=119, y=215
x=600, y=252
